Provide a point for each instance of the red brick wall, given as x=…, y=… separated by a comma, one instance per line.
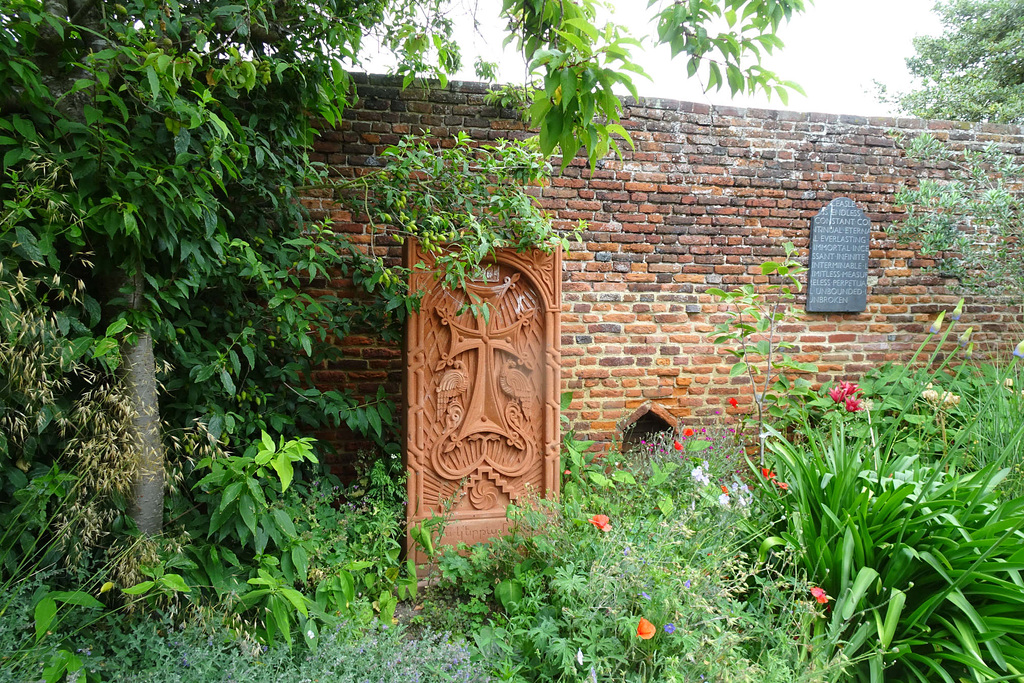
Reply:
x=705, y=198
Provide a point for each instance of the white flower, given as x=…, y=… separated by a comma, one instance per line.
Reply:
x=309, y=634
x=579, y=656
x=699, y=476
x=723, y=500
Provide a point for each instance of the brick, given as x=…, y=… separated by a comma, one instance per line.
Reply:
x=702, y=202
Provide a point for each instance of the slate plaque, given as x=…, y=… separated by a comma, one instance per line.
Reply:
x=838, y=278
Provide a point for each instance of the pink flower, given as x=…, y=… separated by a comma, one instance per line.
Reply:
x=853, y=404
x=843, y=391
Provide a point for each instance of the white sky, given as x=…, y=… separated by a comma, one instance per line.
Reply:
x=834, y=50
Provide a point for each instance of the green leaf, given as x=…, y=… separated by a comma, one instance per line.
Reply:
x=175, y=582
x=297, y=599
x=247, y=509
x=28, y=246
x=284, y=522
x=737, y=369
x=227, y=382
x=46, y=610
x=666, y=505
x=80, y=598
x=892, y=615
x=509, y=592
x=623, y=476
x=865, y=577
x=139, y=588
x=282, y=464
x=301, y=561
x=116, y=327
x=230, y=494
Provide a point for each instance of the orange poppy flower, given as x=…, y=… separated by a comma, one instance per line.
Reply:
x=820, y=595
x=687, y=432
x=767, y=473
x=601, y=522
x=645, y=629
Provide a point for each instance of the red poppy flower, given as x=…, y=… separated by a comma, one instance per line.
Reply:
x=645, y=629
x=601, y=522
x=767, y=473
x=724, y=489
x=820, y=595
x=733, y=402
x=687, y=432
x=678, y=446
x=782, y=485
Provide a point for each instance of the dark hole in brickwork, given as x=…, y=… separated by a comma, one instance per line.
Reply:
x=642, y=425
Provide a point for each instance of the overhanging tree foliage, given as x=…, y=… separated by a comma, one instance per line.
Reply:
x=974, y=71
x=153, y=156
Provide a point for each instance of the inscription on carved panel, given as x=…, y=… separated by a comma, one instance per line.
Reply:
x=482, y=393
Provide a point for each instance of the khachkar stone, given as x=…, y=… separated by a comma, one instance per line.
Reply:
x=838, y=277
x=482, y=396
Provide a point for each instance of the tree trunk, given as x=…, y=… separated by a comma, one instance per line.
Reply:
x=139, y=367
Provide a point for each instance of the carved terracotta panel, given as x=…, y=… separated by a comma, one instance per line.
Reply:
x=482, y=395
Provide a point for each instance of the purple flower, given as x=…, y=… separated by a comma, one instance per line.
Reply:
x=644, y=595
x=686, y=584
x=670, y=628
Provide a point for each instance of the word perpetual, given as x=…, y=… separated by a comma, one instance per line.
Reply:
x=838, y=278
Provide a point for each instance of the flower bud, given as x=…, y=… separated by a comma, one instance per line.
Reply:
x=958, y=310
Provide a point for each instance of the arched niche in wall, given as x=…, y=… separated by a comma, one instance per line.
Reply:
x=645, y=422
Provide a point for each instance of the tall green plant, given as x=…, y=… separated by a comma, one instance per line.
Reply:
x=920, y=561
x=751, y=335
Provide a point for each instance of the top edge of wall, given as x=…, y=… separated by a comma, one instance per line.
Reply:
x=668, y=104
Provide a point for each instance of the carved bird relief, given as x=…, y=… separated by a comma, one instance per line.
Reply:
x=453, y=384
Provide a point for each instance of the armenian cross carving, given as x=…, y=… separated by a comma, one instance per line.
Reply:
x=482, y=394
